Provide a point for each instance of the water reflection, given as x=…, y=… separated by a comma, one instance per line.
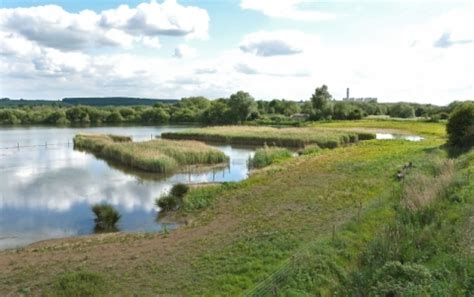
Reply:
x=46, y=192
x=398, y=136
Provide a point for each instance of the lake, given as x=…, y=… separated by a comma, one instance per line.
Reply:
x=47, y=188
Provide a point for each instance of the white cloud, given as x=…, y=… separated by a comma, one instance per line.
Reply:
x=274, y=43
x=205, y=70
x=51, y=26
x=151, y=42
x=391, y=70
x=184, y=51
x=288, y=9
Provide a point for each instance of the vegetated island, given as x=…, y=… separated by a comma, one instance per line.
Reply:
x=259, y=135
x=161, y=156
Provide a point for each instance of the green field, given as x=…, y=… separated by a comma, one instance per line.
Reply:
x=162, y=156
x=259, y=135
x=333, y=223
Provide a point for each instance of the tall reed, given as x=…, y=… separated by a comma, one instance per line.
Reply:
x=163, y=156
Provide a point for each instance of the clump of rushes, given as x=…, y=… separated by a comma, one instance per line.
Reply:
x=268, y=155
x=311, y=150
x=106, y=217
x=284, y=137
x=162, y=156
x=173, y=200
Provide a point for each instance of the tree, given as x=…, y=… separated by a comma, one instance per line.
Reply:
x=460, y=126
x=402, y=110
x=155, y=115
x=320, y=97
x=217, y=113
x=241, y=105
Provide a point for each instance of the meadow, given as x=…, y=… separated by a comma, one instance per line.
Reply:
x=335, y=222
x=162, y=156
x=259, y=135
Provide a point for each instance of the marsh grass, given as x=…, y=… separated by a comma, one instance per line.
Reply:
x=174, y=199
x=283, y=137
x=106, y=217
x=269, y=155
x=311, y=149
x=162, y=156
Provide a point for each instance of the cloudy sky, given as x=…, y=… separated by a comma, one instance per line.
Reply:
x=394, y=50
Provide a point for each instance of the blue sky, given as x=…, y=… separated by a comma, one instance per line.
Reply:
x=394, y=50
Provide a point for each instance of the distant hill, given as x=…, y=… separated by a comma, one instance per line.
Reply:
x=92, y=101
x=116, y=101
x=6, y=102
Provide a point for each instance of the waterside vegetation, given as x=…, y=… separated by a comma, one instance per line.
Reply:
x=284, y=137
x=161, y=156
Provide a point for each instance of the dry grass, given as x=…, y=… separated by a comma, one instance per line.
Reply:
x=421, y=190
x=285, y=137
x=162, y=156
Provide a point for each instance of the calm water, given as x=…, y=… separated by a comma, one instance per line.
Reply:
x=47, y=188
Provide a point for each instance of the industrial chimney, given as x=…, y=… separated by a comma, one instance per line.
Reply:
x=347, y=93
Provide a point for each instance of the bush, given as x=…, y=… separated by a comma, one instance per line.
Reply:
x=179, y=190
x=168, y=202
x=460, y=126
x=106, y=217
x=174, y=200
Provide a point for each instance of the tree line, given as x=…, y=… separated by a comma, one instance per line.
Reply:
x=238, y=108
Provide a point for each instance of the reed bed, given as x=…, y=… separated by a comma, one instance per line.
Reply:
x=162, y=156
x=283, y=137
x=269, y=155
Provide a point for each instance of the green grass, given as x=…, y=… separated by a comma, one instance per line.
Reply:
x=269, y=155
x=284, y=137
x=162, y=156
x=414, y=127
x=78, y=284
x=320, y=224
x=418, y=251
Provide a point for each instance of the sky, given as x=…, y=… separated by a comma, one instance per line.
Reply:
x=406, y=50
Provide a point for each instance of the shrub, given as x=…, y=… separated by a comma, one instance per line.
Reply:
x=168, y=202
x=106, y=217
x=179, y=190
x=174, y=199
x=460, y=126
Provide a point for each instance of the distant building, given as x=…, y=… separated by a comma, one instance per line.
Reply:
x=362, y=99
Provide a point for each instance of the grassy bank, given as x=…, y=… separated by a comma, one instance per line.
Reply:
x=162, y=156
x=315, y=224
x=286, y=137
